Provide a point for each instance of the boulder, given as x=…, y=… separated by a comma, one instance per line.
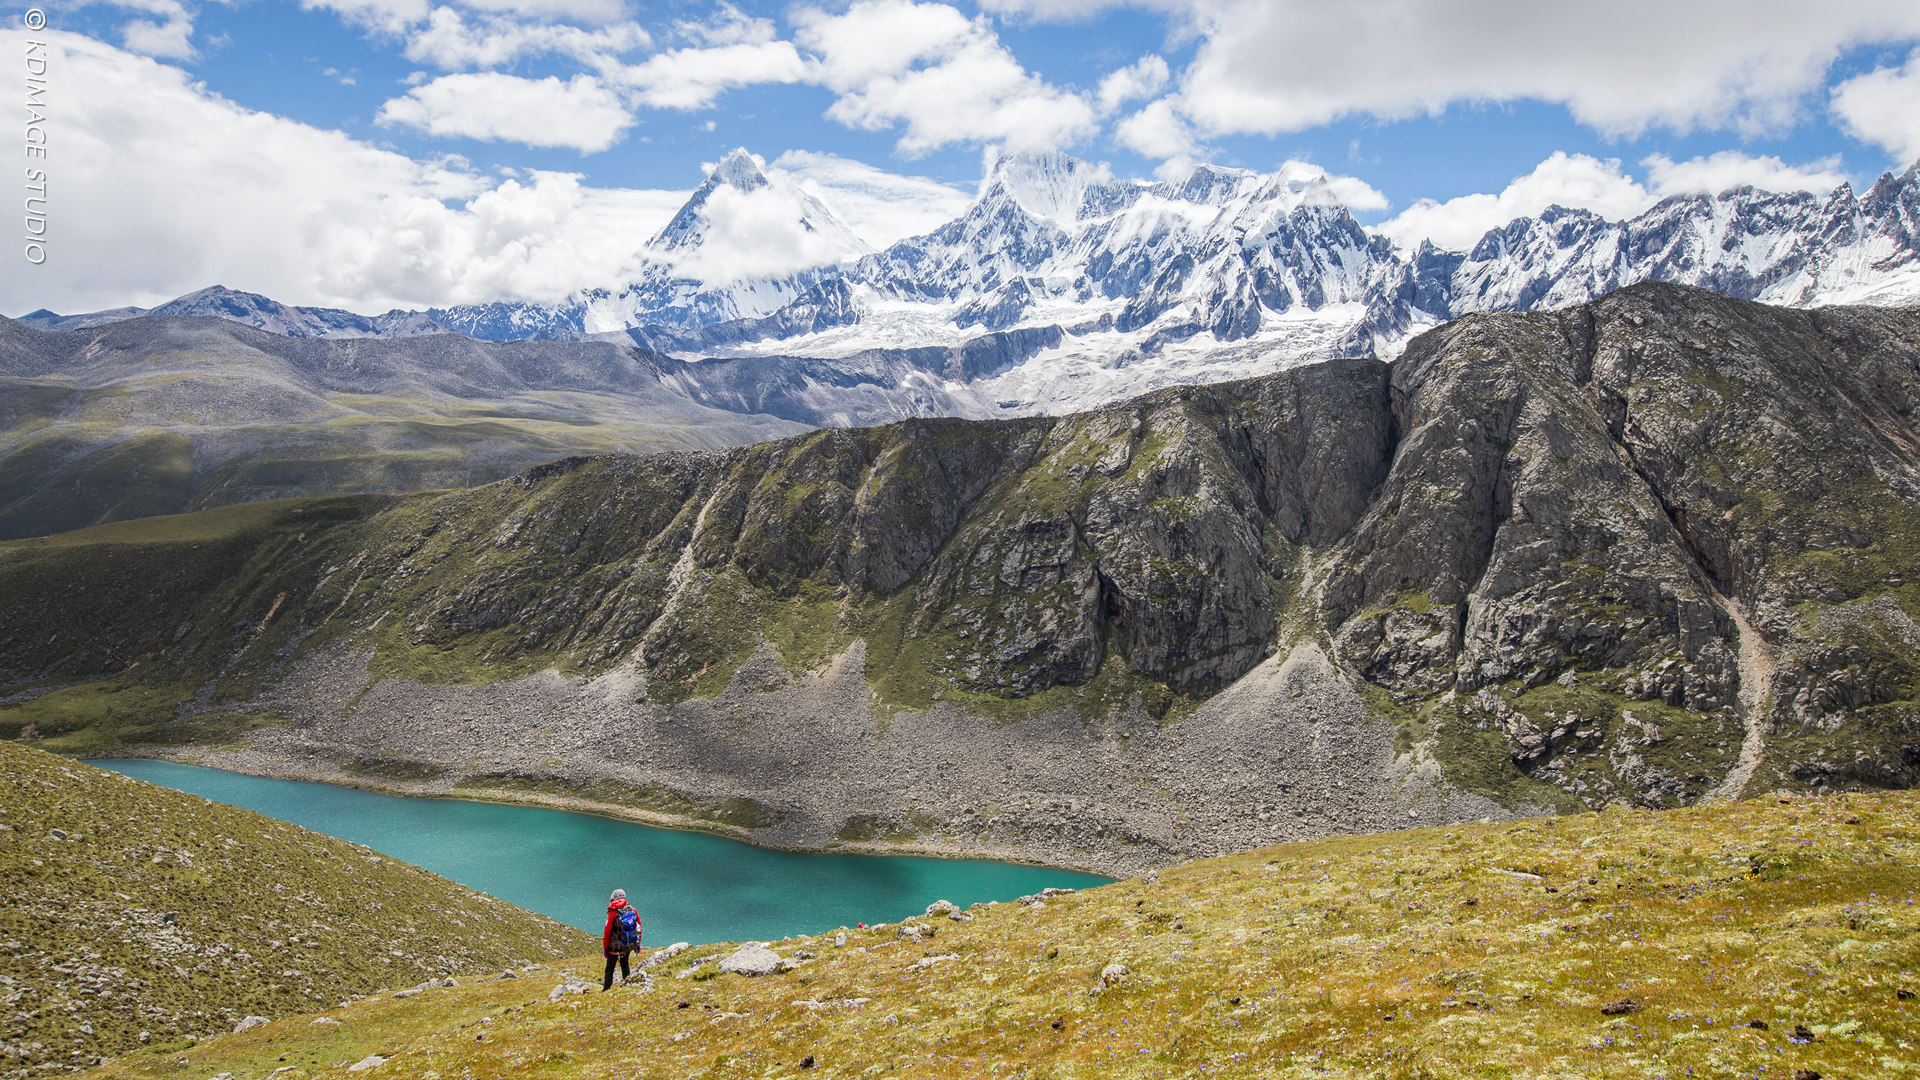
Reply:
x=571, y=986
x=249, y=1022
x=751, y=959
x=663, y=955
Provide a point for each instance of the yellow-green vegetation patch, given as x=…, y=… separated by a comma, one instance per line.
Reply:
x=133, y=909
x=1753, y=939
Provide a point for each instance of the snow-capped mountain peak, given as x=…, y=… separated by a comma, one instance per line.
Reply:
x=1094, y=288
x=736, y=179
x=1050, y=185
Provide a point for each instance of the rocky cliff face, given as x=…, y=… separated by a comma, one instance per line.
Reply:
x=1647, y=549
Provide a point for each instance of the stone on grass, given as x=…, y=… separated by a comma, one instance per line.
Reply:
x=661, y=956
x=751, y=959
x=1621, y=1007
x=248, y=1022
x=365, y=1063
x=939, y=906
x=573, y=985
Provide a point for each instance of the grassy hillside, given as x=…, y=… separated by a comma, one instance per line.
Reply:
x=1755, y=939
x=133, y=909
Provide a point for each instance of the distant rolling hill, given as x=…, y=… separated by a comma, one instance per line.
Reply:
x=163, y=415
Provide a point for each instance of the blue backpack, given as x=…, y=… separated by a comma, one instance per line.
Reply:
x=626, y=930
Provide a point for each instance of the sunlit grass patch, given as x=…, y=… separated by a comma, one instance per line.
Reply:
x=1474, y=951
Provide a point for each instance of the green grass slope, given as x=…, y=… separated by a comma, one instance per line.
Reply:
x=133, y=909
x=1770, y=938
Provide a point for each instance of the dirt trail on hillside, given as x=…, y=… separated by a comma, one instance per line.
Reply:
x=1756, y=677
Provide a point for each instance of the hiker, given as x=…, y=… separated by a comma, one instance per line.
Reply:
x=621, y=937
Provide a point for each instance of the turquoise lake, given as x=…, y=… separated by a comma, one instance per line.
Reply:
x=687, y=886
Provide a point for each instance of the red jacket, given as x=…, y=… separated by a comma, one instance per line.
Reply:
x=606, y=936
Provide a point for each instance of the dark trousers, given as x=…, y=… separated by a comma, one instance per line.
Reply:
x=612, y=959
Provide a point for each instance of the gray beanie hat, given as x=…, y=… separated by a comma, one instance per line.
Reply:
x=618, y=894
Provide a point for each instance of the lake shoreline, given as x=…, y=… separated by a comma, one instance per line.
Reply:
x=251, y=761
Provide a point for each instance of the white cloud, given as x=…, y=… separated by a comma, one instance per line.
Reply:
x=692, y=78
x=1580, y=182
x=1157, y=132
x=758, y=233
x=1731, y=168
x=167, y=34
x=1053, y=10
x=585, y=10
x=879, y=206
x=162, y=188
x=941, y=76
x=395, y=16
x=580, y=113
x=1576, y=181
x=1140, y=79
x=1882, y=107
x=1351, y=191
x=1269, y=66
x=385, y=16
x=452, y=43
x=728, y=26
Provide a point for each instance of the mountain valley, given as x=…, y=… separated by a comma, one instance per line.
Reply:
x=1653, y=549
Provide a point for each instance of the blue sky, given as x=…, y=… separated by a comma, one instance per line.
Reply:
x=374, y=153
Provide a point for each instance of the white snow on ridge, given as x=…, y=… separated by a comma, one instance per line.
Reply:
x=1221, y=273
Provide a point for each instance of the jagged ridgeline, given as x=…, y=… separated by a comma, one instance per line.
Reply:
x=1645, y=549
x=138, y=916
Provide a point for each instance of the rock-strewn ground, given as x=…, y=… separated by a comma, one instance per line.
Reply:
x=1289, y=752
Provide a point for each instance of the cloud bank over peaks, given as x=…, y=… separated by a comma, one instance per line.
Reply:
x=165, y=187
x=880, y=207
x=1583, y=182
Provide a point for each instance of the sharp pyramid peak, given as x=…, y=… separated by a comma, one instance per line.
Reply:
x=738, y=169
x=710, y=215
